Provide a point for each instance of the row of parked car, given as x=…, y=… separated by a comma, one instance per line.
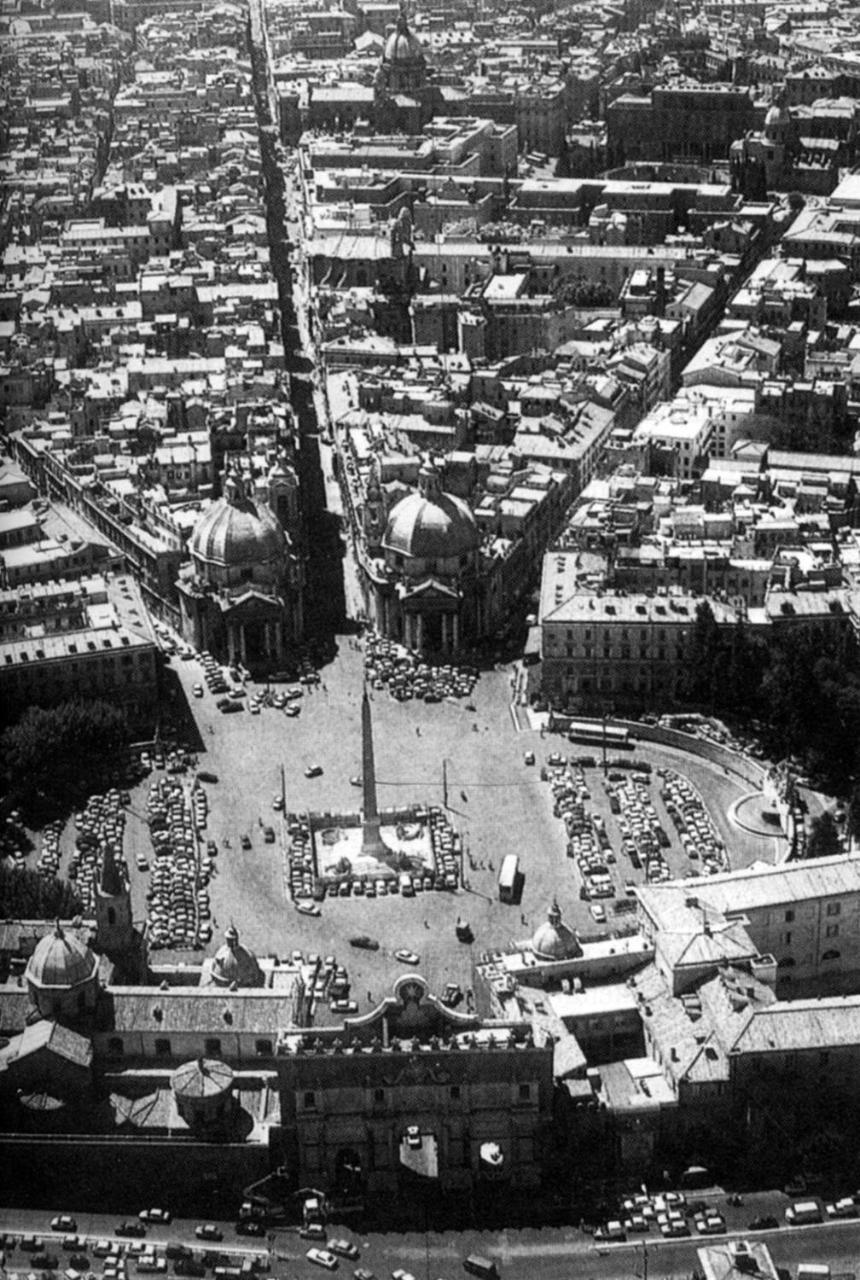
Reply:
x=406, y=676
x=178, y=897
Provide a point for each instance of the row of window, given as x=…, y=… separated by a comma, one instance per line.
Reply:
x=380, y=1096
x=833, y=909
x=211, y=1047
x=788, y=962
x=830, y=931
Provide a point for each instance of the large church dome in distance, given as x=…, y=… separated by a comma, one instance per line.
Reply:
x=236, y=534
x=402, y=48
x=430, y=524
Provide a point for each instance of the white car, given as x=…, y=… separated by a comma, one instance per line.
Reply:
x=847, y=1207
x=322, y=1258
x=598, y=912
x=407, y=957
x=155, y=1215
x=413, y=1137
x=308, y=908
x=314, y=771
x=197, y=690
x=344, y=1248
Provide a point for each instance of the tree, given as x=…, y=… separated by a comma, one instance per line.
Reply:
x=52, y=755
x=703, y=672
x=823, y=839
x=27, y=895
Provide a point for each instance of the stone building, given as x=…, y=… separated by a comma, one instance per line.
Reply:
x=415, y=1089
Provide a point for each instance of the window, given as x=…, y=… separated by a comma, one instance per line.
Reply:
x=789, y=916
x=162, y=1048
x=213, y=1046
x=115, y=1046
x=379, y=1095
x=786, y=937
x=264, y=1048
x=834, y=908
x=525, y=1093
x=831, y=955
x=832, y=931
x=310, y=1100
x=455, y=1093
x=786, y=963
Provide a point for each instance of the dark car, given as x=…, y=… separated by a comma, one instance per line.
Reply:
x=205, y=776
x=248, y=1227
x=173, y=1252
x=79, y=1261
x=131, y=1228
x=188, y=1267
x=44, y=1262
x=767, y=1223
x=364, y=942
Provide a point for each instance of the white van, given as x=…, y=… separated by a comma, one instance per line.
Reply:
x=803, y=1211
x=406, y=889
x=813, y=1271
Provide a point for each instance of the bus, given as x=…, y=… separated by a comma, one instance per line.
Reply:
x=597, y=733
x=509, y=878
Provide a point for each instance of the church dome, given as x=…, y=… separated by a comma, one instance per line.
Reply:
x=61, y=960
x=402, y=48
x=236, y=533
x=430, y=524
x=235, y=964
x=203, y=1078
x=553, y=940
x=777, y=119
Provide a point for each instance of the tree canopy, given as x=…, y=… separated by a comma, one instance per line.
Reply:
x=28, y=895
x=53, y=755
x=803, y=685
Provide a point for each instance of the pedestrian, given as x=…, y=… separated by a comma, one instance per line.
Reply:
x=426, y=924
x=464, y=797
x=370, y=997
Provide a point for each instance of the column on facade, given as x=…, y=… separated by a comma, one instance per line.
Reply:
x=456, y=621
x=444, y=633
x=242, y=642
x=231, y=644
x=419, y=632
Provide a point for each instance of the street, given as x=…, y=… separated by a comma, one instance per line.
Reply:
x=550, y=1253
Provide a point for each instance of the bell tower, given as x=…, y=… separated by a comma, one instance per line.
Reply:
x=114, y=926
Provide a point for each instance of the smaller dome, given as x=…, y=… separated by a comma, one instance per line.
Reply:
x=235, y=964
x=237, y=533
x=430, y=524
x=553, y=940
x=777, y=118
x=202, y=1078
x=61, y=960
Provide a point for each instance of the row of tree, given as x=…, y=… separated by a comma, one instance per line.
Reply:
x=803, y=687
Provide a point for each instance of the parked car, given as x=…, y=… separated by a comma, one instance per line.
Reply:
x=407, y=957
x=250, y=1227
x=131, y=1228
x=313, y=771
x=343, y=1248
x=205, y=776
x=322, y=1258
x=156, y=1215
x=308, y=908
x=364, y=943
x=765, y=1223
x=208, y=1231
x=64, y=1222
x=413, y=1137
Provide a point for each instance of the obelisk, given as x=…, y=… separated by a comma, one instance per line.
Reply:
x=371, y=840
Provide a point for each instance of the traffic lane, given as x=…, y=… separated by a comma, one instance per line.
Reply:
x=528, y=1252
